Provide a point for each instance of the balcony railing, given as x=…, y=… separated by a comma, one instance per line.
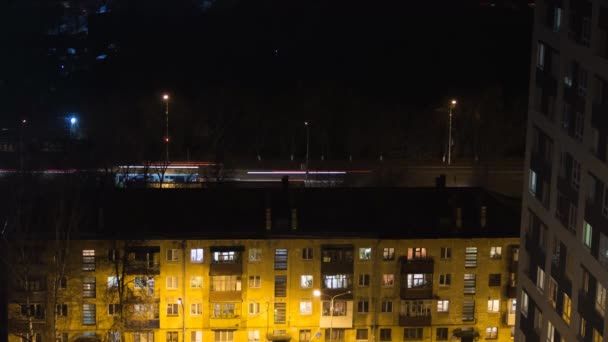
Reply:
x=425, y=292
x=414, y=321
x=417, y=265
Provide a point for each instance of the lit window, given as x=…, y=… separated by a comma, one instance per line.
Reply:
x=280, y=259
x=491, y=333
x=337, y=281
x=587, y=234
x=524, y=303
x=88, y=260
x=600, y=299
x=567, y=309
x=255, y=254
x=306, y=281
x=388, y=254
x=415, y=280
x=253, y=336
x=533, y=183
x=388, y=280
x=443, y=306
x=470, y=257
x=540, y=279
x=306, y=308
x=493, y=305
x=196, y=336
x=416, y=253
x=495, y=252
x=89, y=316
x=171, y=283
x=112, y=282
x=196, y=255
x=339, y=308
x=597, y=337
x=365, y=253
x=540, y=57
x=196, y=282
x=470, y=283
x=468, y=310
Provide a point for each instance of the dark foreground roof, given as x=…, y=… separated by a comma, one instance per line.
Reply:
x=320, y=212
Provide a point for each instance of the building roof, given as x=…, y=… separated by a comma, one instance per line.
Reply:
x=226, y=213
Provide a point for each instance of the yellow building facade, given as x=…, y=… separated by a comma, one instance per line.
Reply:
x=453, y=289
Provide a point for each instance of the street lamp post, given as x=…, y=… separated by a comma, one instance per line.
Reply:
x=166, y=99
x=452, y=105
x=180, y=302
x=318, y=293
x=307, y=148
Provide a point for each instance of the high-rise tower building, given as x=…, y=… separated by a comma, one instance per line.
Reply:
x=564, y=264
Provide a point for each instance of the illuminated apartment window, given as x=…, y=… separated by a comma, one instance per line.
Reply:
x=88, y=260
x=412, y=334
x=255, y=281
x=306, y=281
x=280, y=259
x=171, y=283
x=339, y=308
x=145, y=336
x=363, y=280
x=254, y=308
x=493, y=305
x=600, y=299
x=524, y=303
x=112, y=282
x=253, y=336
x=597, y=336
x=255, y=254
x=365, y=253
x=307, y=253
x=224, y=336
x=362, y=335
x=445, y=279
x=388, y=280
x=416, y=253
x=386, y=306
x=196, y=282
x=280, y=286
x=225, y=283
x=533, y=183
x=415, y=280
x=491, y=333
x=587, y=234
x=88, y=314
x=388, y=254
x=470, y=283
x=552, y=291
x=305, y=335
x=446, y=253
x=582, y=328
x=386, y=334
x=306, y=307
x=226, y=257
x=567, y=309
x=196, y=309
x=196, y=336
x=114, y=309
x=470, y=257
x=337, y=281
x=363, y=306
x=88, y=287
x=280, y=313
x=495, y=252
x=443, y=306
x=172, y=336
x=196, y=255
x=540, y=279
x=172, y=254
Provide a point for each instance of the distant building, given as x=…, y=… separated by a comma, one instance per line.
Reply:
x=564, y=262
x=243, y=265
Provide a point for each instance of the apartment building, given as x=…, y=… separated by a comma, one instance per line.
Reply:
x=440, y=265
x=563, y=276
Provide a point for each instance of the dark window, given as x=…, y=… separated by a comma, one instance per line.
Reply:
x=280, y=286
x=442, y=334
x=307, y=253
x=362, y=306
x=494, y=280
x=386, y=335
x=412, y=334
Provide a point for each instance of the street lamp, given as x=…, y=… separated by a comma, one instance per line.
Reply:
x=307, y=148
x=180, y=302
x=318, y=293
x=452, y=105
x=166, y=99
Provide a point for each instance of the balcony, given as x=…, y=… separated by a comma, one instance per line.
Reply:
x=509, y=318
x=143, y=324
x=425, y=292
x=225, y=269
x=418, y=265
x=225, y=322
x=142, y=267
x=414, y=321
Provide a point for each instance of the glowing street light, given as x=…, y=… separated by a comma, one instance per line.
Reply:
x=318, y=293
x=452, y=105
x=166, y=99
x=73, y=120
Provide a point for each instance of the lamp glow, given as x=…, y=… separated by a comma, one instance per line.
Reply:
x=165, y=97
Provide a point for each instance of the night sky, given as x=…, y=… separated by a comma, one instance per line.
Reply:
x=274, y=63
